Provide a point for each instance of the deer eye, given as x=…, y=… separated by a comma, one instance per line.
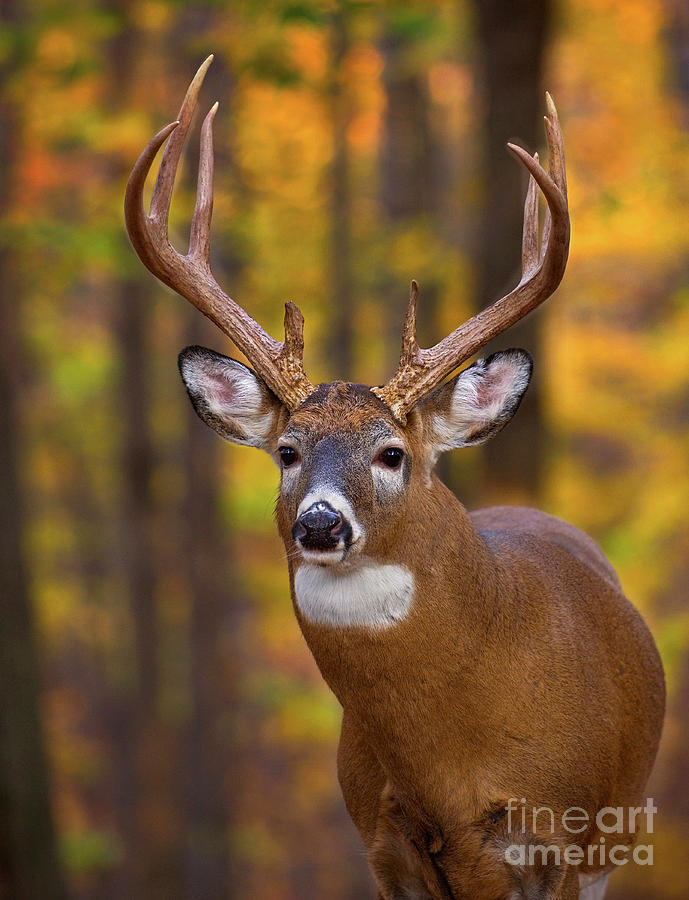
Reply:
x=391, y=457
x=288, y=456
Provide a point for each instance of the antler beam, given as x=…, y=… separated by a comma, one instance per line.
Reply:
x=420, y=370
x=279, y=364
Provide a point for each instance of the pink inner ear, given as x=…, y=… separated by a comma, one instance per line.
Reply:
x=229, y=391
x=222, y=390
x=483, y=393
x=494, y=383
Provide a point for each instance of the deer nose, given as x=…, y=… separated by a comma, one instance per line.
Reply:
x=319, y=527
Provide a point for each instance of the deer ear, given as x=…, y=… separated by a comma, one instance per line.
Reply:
x=230, y=398
x=478, y=402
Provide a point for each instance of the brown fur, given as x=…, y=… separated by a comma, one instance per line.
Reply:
x=520, y=671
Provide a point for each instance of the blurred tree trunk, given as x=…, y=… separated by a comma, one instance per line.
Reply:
x=217, y=629
x=674, y=800
x=512, y=39
x=153, y=864
x=407, y=186
x=678, y=41
x=157, y=864
x=28, y=858
x=340, y=339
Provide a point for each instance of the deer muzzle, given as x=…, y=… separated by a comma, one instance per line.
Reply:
x=320, y=527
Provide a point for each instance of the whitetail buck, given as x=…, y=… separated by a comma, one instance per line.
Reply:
x=478, y=657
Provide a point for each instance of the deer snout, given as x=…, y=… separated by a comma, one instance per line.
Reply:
x=320, y=527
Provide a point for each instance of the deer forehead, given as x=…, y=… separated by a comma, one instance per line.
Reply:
x=349, y=414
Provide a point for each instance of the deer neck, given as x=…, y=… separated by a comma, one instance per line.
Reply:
x=442, y=589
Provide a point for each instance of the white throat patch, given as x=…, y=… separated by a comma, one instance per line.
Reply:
x=371, y=595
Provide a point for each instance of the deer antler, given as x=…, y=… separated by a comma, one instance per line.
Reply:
x=421, y=370
x=279, y=364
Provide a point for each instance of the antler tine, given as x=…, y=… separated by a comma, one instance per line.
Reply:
x=530, y=248
x=410, y=345
x=556, y=162
x=421, y=370
x=279, y=363
x=200, y=237
x=138, y=222
x=162, y=193
x=547, y=225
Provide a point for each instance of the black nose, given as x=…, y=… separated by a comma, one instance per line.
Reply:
x=320, y=527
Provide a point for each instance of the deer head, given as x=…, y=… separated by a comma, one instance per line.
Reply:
x=352, y=458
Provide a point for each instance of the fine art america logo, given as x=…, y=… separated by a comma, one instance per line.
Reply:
x=607, y=850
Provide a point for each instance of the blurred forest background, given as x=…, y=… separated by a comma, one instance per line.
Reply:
x=155, y=692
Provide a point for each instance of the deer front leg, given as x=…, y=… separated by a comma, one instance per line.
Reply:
x=569, y=889
x=393, y=860
x=361, y=778
x=396, y=867
x=401, y=855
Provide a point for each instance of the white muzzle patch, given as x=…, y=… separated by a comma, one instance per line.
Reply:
x=370, y=595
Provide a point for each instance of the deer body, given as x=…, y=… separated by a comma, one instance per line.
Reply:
x=518, y=670
x=479, y=659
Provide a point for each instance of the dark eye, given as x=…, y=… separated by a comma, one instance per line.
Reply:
x=288, y=456
x=391, y=457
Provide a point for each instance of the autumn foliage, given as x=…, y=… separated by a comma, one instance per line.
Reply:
x=191, y=741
